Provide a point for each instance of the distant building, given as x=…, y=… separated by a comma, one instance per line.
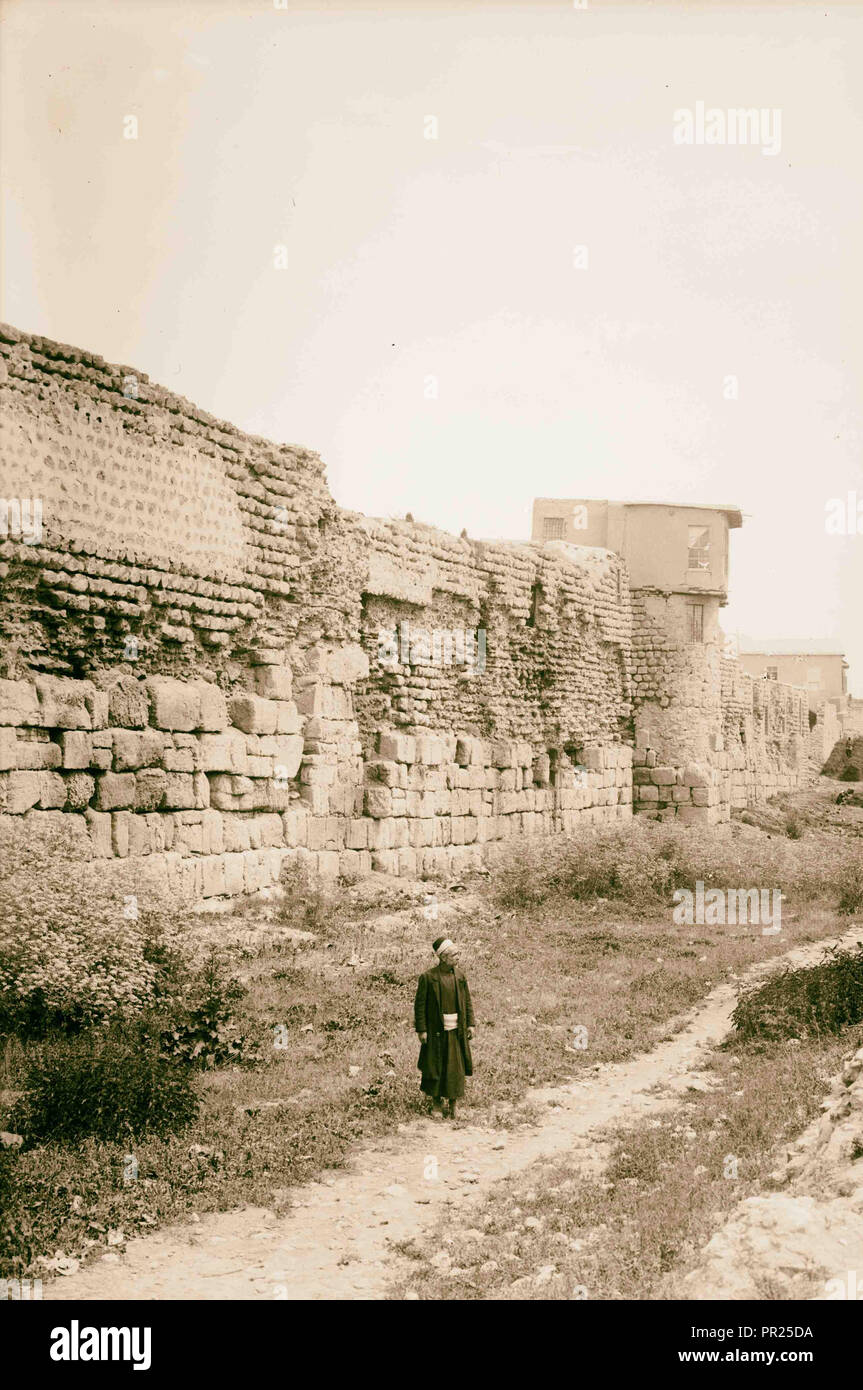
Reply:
x=816, y=666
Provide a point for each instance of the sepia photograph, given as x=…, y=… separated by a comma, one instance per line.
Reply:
x=431, y=672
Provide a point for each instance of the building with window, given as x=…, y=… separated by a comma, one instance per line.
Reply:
x=816, y=666
x=677, y=552
x=678, y=559
x=668, y=547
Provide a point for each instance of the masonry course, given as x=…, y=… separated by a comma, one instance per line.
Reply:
x=191, y=662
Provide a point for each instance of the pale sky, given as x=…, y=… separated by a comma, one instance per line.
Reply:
x=454, y=258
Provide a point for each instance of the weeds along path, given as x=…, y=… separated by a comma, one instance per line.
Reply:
x=340, y=1238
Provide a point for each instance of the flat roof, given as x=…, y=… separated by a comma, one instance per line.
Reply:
x=779, y=646
x=734, y=514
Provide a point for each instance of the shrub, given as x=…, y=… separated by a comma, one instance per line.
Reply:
x=807, y=1002
x=200, y=1028
x=306, y=902
x=114, y=1085
x=73, y=951
x=850, y=774
x=8, y=1179
x=851, y=891
x=795, y=825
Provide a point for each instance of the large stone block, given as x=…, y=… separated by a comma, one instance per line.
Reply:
x=62, y=702
x=467, y=751
x=225, y=752
x=151, y=785
x=77, y=750
x=52, y=791
x=273, y=682
x=288, y=720
x=19, y=703
x=256, y=869
x=213, y=707
x=382, y=833
x=315, y=799
x=695, y=776
x=98, y=704
x=429, y=750
x=295, y=824
x=397, y=748
x=8, y=750
x=134, y=748
x=213, y=832
x=254, y=715
x=318, y=774
x=382, y=772
x=115, y=791
x=139, y=835
x=286, y=751
x=271, y=830
x=213, y=883
x=503, y=754
x=358, y=834
x=80, y=789
x=128, y=707
x=180, y=760
x=313, y=699
x=237, y=833
x=234, y=873
x=37, y=753
x=99, y=827
x=181, y=792
x=120, y=833
x=174, y=704
x=378, y=802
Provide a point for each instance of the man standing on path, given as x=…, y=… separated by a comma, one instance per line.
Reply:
x=443, y=1019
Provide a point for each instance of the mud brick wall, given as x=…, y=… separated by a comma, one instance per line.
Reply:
x=160, y=524
x=556, y=625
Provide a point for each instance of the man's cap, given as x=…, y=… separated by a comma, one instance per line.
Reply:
x=436, y=944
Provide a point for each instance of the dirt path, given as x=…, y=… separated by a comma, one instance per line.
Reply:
x=337, y=1240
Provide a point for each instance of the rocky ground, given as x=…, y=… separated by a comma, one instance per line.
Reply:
x=805, y=1240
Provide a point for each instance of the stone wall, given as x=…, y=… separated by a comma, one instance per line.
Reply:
x=194, y=664
x=207, y=667
x=709, y=738
x=825, y=732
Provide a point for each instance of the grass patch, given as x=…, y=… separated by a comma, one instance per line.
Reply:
x=642, y=864
x=330, y=1025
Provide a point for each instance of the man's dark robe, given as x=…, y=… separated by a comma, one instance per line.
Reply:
x=445, y=1059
